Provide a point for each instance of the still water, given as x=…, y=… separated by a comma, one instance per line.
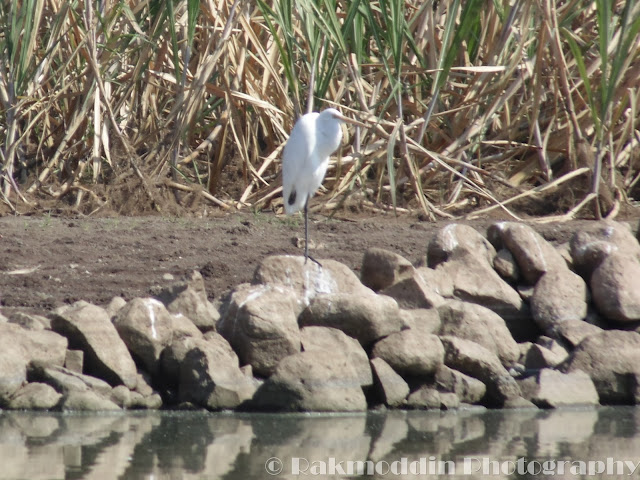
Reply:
x=576, y=443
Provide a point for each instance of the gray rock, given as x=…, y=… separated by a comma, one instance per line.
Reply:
x=143, y=385
x=13, y=365
x=538, y=357
x=30, y=321
x=480, y=325
x=449, y=401
x=553, y=389
x=391, y=387
x=182, y=326
x=518, y=403
x=591, y=245
x=615, y=285
x=87, y=401
x=413, y=292
x=38, y=345
x=437, y=280
x=308, y=280
x=363, y=317
x=478, y=283
x=612, y=360
x=89, y=328
x=74, y=360
x=312, y=381
x=411, y=352
x=34, y=396
x=114, y=305
x=572, y=332
x=121, y=396
x=506, y=266
x=425, y=397
x=559, y=295
x=190, y=299
x=261, y=325
x=382, y=268
x=468, y=389
x=145, y=326
x=473, y=359
x=171, y=358
x=457, y=241
x=210, y=374
x=534, y=255
x=152, y=402
x=330, y=340
x=65, y=381
x=426, y=319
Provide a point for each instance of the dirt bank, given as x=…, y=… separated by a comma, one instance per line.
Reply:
x=47, y=261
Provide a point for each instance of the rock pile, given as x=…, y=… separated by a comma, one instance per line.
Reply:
x=503, y=321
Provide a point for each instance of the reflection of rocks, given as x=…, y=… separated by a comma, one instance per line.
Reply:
x=482, y=317
x=193, y=445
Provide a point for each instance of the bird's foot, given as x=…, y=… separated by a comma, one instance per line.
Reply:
x=309, y=257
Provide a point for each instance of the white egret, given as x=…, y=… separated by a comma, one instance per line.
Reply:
x=314, y=137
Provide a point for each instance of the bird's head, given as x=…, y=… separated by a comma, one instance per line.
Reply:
x=332, y=113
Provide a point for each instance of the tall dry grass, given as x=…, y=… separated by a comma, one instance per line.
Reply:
x=471, y=105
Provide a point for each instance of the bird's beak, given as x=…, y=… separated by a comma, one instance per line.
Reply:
x=351, y=121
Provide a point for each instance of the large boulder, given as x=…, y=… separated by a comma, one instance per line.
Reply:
x=146, y=327
x=312, y=381
x=189, y=298
x=553, y=389
x=327, y=340
x=467, y=389
x=591, y=245
x=391, y=387
x=559, y=295
x=210, y=374
x=89, y=328
x=612, y=360
x=457, y=241
x=427, y=319
x=615, y=285
x=35, y=396
x=411, y=352
x=86, y=401
x=65, y=381
x=572, y=332
x=37, y=344
x=413, y=292
x=382, y=268
x=477, y=282
x=480, y=325
x=308, y=279
x=261, y=325
x=534, y=255
x=13, y=366
x=366, y=318
x=476, y=361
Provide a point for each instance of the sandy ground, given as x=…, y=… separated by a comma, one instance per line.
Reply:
x=47, y=261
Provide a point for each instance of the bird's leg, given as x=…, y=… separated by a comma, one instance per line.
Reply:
x=306, y=235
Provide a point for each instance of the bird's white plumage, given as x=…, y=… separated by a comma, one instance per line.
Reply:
x=314, y=137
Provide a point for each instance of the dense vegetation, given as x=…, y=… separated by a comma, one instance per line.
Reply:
x=471, y=104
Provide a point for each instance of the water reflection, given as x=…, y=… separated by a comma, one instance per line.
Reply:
x=185, y=445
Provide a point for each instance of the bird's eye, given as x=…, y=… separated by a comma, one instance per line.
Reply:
x=292, y=198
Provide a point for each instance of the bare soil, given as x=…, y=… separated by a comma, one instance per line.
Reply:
x=48, y=261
